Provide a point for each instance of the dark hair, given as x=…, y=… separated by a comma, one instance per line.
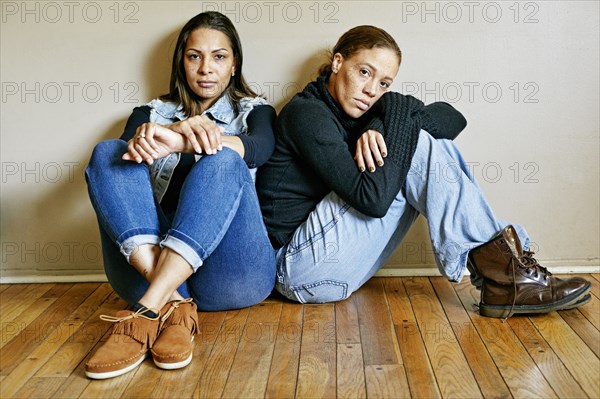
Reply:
x=179, y=91
x=359, y=38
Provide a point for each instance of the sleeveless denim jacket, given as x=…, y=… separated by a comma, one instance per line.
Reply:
x=222, y=113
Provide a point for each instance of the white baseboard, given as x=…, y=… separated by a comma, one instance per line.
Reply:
x=385, y=272
x=45, y=278
x=430, y=271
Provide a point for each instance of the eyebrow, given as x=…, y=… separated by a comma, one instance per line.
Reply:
x=375, y=69
x=213, y=51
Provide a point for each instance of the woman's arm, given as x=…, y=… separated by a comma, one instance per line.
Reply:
x=443, y=120
x=259, y=143
x=138, y=117
x=315, y=137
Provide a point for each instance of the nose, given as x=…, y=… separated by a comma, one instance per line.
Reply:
x=370, y=88
x=204, y=66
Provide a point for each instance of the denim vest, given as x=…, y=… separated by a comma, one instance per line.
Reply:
x=222, y=113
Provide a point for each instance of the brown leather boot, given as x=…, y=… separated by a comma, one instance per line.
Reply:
x=514, y=282
x=175, y=344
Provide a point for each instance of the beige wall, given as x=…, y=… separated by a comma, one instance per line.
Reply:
x=525, y=74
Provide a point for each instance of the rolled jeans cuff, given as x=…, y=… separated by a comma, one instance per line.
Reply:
x=184, y=250
x=132, y=243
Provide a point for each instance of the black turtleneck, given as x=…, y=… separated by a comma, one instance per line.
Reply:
x=314, y=155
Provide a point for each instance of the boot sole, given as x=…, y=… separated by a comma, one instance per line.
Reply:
x=175, y=365
x=503, y=311
x=116, y=373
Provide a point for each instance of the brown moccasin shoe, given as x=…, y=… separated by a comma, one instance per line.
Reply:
x=132, y=336
x=175, y=344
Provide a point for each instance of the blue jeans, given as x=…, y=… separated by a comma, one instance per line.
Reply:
x=338, y=248
x=217, y=227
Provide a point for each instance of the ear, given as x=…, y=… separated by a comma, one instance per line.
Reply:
x=232, y=71
x=337, y=62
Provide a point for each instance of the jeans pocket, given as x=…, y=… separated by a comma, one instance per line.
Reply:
x=321, y=291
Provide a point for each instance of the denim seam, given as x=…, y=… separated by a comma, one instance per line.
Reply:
x=318, y=236
x=137, y=231
x=306, y=287
x=111, y=233
x=194, y=245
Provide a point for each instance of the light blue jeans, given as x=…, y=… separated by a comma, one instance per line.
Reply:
x=338, y=249
x=217, y=227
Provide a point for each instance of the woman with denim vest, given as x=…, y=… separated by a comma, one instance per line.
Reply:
x=353, y=167
x=179, y=217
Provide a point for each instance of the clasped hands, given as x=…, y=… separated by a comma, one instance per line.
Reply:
x=198, y=134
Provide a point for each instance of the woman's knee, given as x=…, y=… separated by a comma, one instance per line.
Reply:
x=105, y=152
x=226, y=165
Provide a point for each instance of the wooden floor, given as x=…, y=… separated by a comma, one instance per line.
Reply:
x=396, y=337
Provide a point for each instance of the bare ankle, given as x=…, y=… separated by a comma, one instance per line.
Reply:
x=144, y=260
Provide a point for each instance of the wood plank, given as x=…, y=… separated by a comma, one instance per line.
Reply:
x=582, y=327
x=519, y=371
x=419, y=374
x=350, y=362
x=10, y=329
x=591, y=311
x=38, y=388
x=15, y=351
x=317, y=368
x=16, y=293
x=347, y=328
x=350, y=371
x=453, y=374
x=18, y=307
x=40, y=355
x=377, y=332
x=68, y=357
x=250, y=369
x=2, y=288
x=486, y=373
x=547, y=361
x=25, y=370
x=181, y=384
x=386, y=381
x=572, y=351
x=215, y=374
x=286, y=355
x=381, y=352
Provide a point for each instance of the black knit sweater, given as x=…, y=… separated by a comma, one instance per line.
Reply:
x=314, y=154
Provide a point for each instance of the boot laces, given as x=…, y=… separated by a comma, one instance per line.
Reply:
x=175, y=305
x=531, y=265
x=133, y=315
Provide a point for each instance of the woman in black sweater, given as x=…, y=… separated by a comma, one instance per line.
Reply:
x=334, y=224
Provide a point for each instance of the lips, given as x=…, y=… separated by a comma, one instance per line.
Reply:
x=361, y=104
x=206, y=84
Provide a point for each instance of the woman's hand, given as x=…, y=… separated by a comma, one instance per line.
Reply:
x=153, y=141
x=202, y=133
x=370, y=150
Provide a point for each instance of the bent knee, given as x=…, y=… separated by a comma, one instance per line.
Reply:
x=106, y=151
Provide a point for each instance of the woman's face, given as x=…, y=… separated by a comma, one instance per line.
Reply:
x=357, y=82
x=209, y=63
